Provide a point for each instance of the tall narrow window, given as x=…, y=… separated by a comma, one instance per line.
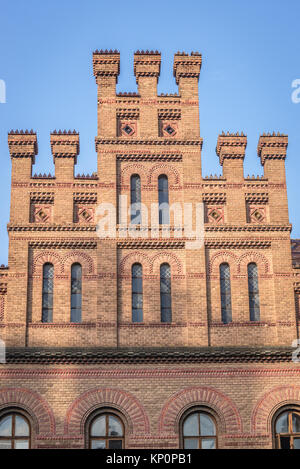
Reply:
x=165, y=293
x=253, y=292
x=76, y=292
x=225, y=293
x=163, y=200
x=137, y=293
x=47, y=300
x=135, y=199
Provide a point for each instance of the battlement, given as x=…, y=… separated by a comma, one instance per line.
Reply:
x=187, y=66
x=231, y=146
x=65, y=144
x=22, y=144
x=272, y=146
x=146, y=64
x=106, y=63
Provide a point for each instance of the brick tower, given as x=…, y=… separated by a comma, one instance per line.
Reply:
x=170, y=340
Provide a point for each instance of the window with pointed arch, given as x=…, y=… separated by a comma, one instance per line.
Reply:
x=106, y=430
x=47, y=293
x=287, y=429
x=76, y=292
x=15, y=431
x=163, y=200
x=137, y=292
x=165, y=293
x=254, y=306
x=198, y=430
x=225, y=287
x=135, y=200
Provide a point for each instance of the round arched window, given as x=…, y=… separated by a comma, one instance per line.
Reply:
x=199, y=431
x=287, y=430
x=14, y=432
x=106, y=432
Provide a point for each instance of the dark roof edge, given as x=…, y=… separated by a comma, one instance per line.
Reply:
x=86, y=355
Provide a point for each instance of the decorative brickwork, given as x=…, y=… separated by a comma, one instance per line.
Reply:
x=125, y=402
x=151, y=373
x=34, y=404
x=192, y=397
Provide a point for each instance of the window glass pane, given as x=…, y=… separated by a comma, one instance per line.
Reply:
x=190, y=443
x=115, y=444
x=137, y=301
x=137, y=315
x=207, y=426
x=47, y=300
x=208, y=443
x=5, y=444
x=21, y=426
x=166, y=315
x=98, y=426
x=225, y=293
x=6, y=426
x=98, y=444
x=296, y=443
x=282, y=423
x=166, y=300
x=114, y=427
x=76, y=272
x=76, y=301
x=191, y=426
x=21, y=444
x=137, y=285
x=296, y=423
x=285, y=442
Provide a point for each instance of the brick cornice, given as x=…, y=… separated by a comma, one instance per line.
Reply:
x=119, y=141
x=148, y=355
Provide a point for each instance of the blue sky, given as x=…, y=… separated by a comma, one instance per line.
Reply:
x=250, y=49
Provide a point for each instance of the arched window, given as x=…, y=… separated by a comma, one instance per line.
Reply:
x=287, y=430
x=76, y=292
x=47, y=295
x=253, y=292
x=225, y=293
x=14, y=432
x=106, y=431
x=135, y=199
x=137, y=292
x=199, y=431
x=163, y=200
x=165, y=293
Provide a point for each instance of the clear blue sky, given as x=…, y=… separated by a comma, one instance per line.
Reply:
x=251, y=55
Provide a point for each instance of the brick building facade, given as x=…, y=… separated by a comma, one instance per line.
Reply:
x=134, y=339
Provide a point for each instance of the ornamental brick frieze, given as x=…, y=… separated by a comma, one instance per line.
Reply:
x=149, y=156
x=62, y=244
x=128, y=113
x=151, y=244
x=157, y=142
x=85, y=197
x=15, y=228
x=258, y=198
x=211, y=197
x=237, y=243
x=259, y=228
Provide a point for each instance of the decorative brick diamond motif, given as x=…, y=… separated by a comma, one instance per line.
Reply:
x=257, y=214
x=128, y=128
x=215, y=214
x=84, y=214
x=41, y=213
x=169, y=129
